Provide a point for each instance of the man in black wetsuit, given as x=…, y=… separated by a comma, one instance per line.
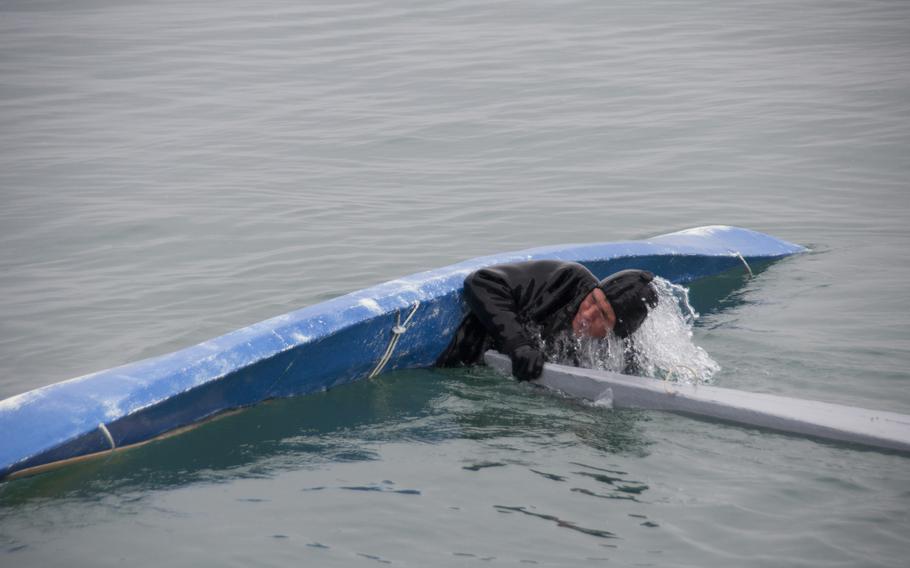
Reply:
x=515, y=307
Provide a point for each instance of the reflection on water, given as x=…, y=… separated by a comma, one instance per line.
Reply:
x=336, y=426
x=725, y=291
x=559, y=522
x=345, y=424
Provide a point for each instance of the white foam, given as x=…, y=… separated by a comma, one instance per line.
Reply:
x=408, y=290
x=16, y=402
x=371, y=304
x=706, y=231
x=111, y=409
x=300, y=338
x=662, y=348
x=605, y=400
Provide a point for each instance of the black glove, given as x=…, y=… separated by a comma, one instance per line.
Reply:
x=527, y=363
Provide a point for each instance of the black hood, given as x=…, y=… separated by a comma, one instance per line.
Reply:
x=631, y=294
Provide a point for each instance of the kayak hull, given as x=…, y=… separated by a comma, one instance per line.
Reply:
x=317, y=348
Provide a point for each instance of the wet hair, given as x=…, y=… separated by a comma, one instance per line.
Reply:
x=631, y=294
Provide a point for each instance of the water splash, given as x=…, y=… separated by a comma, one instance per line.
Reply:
x=662, y=348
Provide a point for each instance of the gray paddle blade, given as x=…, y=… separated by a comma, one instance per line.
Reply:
x=877, y=428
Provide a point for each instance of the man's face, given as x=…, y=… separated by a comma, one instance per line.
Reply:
x=595, y=317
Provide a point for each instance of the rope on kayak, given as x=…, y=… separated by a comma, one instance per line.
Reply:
x=107, y=434
x=748, y=268
x=397, y=332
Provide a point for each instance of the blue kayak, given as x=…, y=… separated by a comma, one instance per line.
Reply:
x=401, y=324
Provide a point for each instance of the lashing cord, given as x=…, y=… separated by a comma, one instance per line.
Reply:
x=748, y=268
x=397, y=332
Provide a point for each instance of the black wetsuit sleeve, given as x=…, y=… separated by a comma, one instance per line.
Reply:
x=492, y=299
x=507, y=298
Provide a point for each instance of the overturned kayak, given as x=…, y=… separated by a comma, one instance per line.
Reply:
x=404, y=323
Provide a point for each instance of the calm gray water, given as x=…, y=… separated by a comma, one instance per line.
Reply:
x=171, y=171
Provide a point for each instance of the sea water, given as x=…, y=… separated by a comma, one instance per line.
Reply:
x=172, y=171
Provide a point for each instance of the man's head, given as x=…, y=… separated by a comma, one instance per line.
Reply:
x=619, y=303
